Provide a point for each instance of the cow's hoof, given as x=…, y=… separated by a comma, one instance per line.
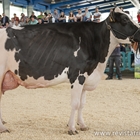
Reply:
x=72, y=132
x=84, y=129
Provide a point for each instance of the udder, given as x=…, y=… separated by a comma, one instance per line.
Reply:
x=9, y=82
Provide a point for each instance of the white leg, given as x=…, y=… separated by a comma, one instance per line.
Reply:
x=2, y=127
x=76, y=92
x=80, y=119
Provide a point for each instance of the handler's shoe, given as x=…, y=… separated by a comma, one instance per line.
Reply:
x=119, y=78
x=109, y=78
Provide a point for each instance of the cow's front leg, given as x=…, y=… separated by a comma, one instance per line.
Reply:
x=80, y=119
x=2, y=127
x=76, y=92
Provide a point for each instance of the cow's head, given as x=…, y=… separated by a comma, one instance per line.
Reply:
x=122, y=26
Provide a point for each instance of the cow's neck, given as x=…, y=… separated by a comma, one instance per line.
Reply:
x=113, y=43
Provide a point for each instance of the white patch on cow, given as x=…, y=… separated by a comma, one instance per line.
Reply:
x=76, y=52
x=18, y=51
x=17, y=27
x=7, y=60
x=4, y=53
x=126, y=41
x=12, y=64
x=41, y=82
x=76, y=93
x=118, y=10
x=32, y=83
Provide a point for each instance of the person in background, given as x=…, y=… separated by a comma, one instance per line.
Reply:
x=23, y=18
x=16, y=18
x=40, y=21
x=97, y=15
x=27, y=21
x=122, y=48
x=138, y=16
x=87, y=15
x=12, y=22
x=1, y=27
x=62, y=17
x=33, y=15
x=33, y=21
x=22, y=23
x=50, y=18
x=79, y=16
x=4, y=19
x=56, y=16
x=41, y=16
x=17, y=23
x=7, y=25
x=71, y=17
x=45, y=20
x=115, y=57
x=45, y=15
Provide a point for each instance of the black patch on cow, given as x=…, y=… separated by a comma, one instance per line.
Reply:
x=17, y=57
x=16, y=72
x=81, y=80
x=71, y=86
x=46, y=50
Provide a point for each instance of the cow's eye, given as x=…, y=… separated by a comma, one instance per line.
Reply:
x=125, y=20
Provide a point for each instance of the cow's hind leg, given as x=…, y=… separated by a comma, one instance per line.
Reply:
x=80, y=119
x=76, y=92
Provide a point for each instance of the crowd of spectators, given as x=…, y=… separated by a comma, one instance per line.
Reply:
x=45, y=18
x=24, y=20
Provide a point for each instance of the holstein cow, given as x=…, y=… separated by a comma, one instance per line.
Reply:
x=45, y=55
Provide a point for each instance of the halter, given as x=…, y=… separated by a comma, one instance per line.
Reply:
x=114, y=31
x=132, y=37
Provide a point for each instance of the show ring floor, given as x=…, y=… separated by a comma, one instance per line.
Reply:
x=112, y=110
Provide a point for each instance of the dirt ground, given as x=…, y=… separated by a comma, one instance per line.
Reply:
x=112, y=112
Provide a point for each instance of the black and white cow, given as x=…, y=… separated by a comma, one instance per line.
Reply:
x=45, y=55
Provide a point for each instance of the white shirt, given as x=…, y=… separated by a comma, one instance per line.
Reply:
x=88, y=14
x=97, y=14
x=79, y=15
